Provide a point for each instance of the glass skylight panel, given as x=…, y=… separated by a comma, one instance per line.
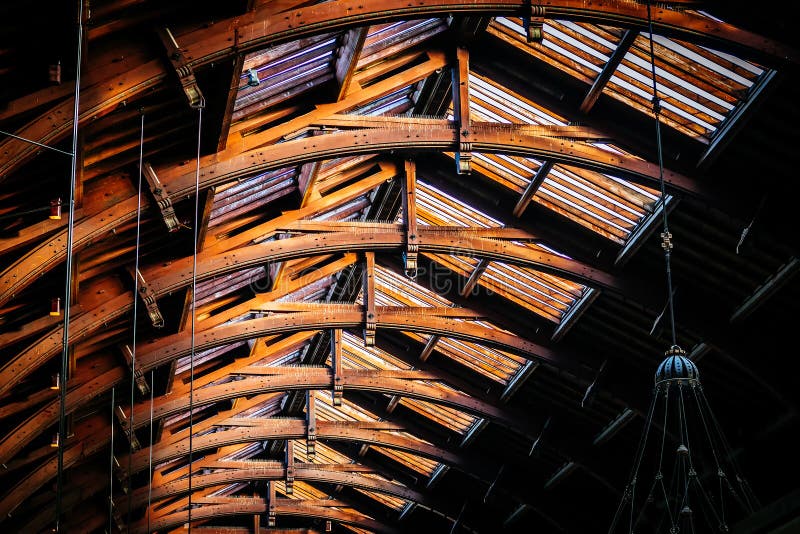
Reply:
x=699, y=87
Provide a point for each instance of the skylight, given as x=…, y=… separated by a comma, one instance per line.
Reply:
x=699, y=87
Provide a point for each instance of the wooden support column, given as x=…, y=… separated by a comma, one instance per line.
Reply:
x=290, y=471
x=311, y=424
x=161, y=197
x=350, y=46
x=533, y=186
x=461, y=111
x=271, y=504
x=474, y=277
x=336, y=360
x=370, y=321
x=410, y=217
x=181, y=68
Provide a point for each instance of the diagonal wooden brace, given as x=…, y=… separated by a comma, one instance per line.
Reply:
x=161, y=198
x=182, y=69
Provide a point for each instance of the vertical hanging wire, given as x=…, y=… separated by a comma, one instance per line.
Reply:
x=111, y=471
x=62, y=416
x=666, y=236
x=194, y=300
x=150, y=452
x=135, y=311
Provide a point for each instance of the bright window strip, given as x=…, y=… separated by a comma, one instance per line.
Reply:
x=495, y=364
x=349, y=411
x=609, y=206
x=698, y=86
x=356, y=356
x=538, y=295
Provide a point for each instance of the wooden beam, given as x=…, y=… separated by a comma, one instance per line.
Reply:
x=336, y=363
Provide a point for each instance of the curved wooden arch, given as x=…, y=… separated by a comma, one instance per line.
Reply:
x=178, y=345
x=244, y=34
x=177, y=275
x=281, y=379
x=248, y=507
x=485, y=137
x=369, y=433
x=309, y=472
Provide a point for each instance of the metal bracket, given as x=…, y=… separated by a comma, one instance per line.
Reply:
x=311, y=424
x=464, y=156
x=271, y=504
x=290, y=466
x=161, y=198
x=336, y=357
x=125, y=424
x=370, y=318
x=149, y=300
x=533, y=22
x=182, y=69
x=410, y=216
x=141, y=382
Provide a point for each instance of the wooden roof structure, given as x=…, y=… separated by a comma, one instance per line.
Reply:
x=395, y=266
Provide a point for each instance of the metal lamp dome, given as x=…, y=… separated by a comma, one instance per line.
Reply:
x=677, y=367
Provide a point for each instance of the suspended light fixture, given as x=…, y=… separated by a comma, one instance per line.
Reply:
x=328, y=525
x=690, y=481
x=55, y=209
x=55, y=382
x=55, y=306
x=252, y=78
x=55, y=442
